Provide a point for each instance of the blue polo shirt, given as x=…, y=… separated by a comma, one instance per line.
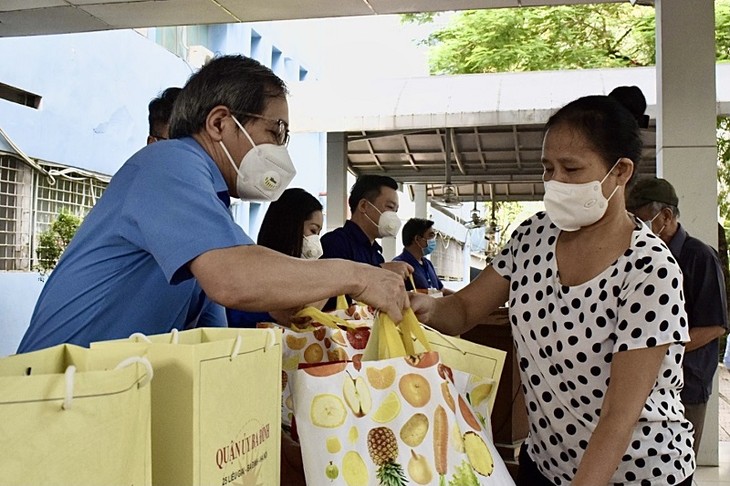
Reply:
x=351, y=243
x=705, y=303
x=424, y=274
x=126, y=270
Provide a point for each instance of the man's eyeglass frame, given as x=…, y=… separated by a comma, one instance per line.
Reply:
x=282, y=134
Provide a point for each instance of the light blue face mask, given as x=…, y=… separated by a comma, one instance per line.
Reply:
x=430, y=247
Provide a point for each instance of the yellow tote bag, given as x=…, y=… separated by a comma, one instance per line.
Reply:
x=70, y=417
x=482, y=363
x=216, y=405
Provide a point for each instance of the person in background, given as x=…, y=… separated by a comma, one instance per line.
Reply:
x=162, y=228
x=373, y=206
x=419, y=241
x=160, y=110
x=597, y=315
x=291, y=226
x=655, y=202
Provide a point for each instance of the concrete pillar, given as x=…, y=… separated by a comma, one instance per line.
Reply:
x=420, y=200
x=336, y=180
x=686, y=121
x=388, y=244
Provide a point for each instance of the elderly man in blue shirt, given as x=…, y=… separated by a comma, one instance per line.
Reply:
x=655, y=202
x=419, y=241
x=162, y=229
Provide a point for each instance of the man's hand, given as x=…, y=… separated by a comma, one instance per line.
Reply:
x=284, y=317
x=422, y=305
x=400, y=268
x=383, y=290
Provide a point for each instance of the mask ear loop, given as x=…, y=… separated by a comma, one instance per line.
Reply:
x=378, y=210
x=244, y=131
x=606, y=177
x=228, y=154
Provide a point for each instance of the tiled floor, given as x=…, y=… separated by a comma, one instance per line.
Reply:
x=716, y=476
x=719, y=476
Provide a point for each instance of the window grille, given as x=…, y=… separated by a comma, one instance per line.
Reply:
x=30, y=202
x=13, y=207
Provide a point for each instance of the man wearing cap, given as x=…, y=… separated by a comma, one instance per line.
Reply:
x=655, y=202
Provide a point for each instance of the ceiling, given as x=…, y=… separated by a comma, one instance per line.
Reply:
x=34, y=17
x=503, y=161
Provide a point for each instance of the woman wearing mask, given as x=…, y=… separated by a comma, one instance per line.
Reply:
x=291, y=226
x=597, y=315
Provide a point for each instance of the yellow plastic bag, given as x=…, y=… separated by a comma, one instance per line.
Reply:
x=216, y=405
x=70, y=416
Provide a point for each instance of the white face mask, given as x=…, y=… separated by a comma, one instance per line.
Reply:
x=264, y=172
x=389, y=222
x=572, y=206
x=650, y=224
x=311, y=247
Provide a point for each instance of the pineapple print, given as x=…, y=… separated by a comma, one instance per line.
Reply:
x=383, y=450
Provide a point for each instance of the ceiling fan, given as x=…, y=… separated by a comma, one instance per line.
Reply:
x=493, y=227
x=449, y=196
x=475, y=220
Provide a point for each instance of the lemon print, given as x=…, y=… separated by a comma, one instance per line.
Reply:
x=388, y=410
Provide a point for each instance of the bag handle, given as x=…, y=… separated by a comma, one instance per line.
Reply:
x=174, y=336
x=144, y=362
x=394, y=342
x=268, y=344
x=70, y=375
x=451, y=344
x=323, y=318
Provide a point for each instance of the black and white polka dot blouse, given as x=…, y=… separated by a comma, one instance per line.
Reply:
x=566, y=336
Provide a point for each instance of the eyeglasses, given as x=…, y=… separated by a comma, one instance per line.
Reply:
x=282, y=129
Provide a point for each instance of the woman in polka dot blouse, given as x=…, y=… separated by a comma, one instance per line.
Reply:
x=597, y=315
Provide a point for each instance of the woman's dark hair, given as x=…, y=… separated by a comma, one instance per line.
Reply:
x=606, y=124
x=240, y=83
x=283, y=226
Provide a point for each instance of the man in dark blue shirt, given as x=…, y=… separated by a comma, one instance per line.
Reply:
x=655, y=202
x=373, y=205
x=419, y=240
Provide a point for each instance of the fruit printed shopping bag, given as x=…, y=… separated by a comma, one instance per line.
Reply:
x=318, y=337
x=392, y=422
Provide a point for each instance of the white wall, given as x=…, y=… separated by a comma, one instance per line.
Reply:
x=18, y=294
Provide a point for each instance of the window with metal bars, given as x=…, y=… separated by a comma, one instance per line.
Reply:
x=30, y=202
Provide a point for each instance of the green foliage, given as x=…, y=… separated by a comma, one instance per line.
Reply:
x=552, y=38
x=722, y=30
x=723, y=168
x=464, y=476
x=544, y=38
x=52, y=242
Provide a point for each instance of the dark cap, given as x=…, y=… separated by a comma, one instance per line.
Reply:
x=651, y=189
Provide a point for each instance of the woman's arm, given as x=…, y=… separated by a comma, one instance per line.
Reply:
x=466, y=308
x=633, y=374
